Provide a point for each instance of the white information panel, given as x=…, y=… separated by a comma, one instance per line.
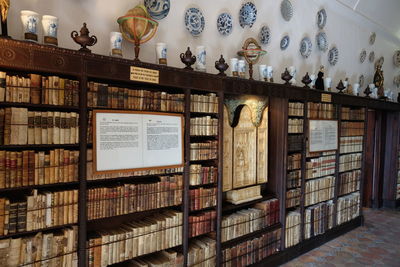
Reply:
x=134, y=140
x=323, y=135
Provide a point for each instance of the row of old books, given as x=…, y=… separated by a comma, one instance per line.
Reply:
x=37, y=89
x=350, y=162
x=18, y=126
x=350, y=144
x=202, y=174
x=104, y=95
x=349, y=182
x=245, y=221
x=293, y=197
x=296, y=109
x=202, y=223
x=295, y=125
x=201, y=198
x=294, y=161
x=319, y=190
x=243, y=195
x=204, y=103
x=163, y=258
x=348, y=208
x=293, y=179
x=318, y=219
x=252, y=251
x=129, y=198
x=203, y=126
x=292, y=229
x=295, y=142
x=321, y=111
x=43, y=249
x=136, y=238
x=322, y=166
x=352, y=114
x=352, y=128
x=25, y=168
x=204, y=151
x=90, y=175
x=38, y=211
x=202, y=252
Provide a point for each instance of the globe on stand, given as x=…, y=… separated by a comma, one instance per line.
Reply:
x=137, y=27
x=252, y=52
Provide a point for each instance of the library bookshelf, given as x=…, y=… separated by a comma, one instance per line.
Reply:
x=184, y=207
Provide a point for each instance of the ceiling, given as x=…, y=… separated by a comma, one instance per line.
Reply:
x=384, y=13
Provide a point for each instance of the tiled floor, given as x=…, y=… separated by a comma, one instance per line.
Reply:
x=377, y=243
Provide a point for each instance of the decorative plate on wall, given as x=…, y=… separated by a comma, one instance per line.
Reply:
x=194, y=21
x=286, y=10
x=321, y=18
x=322, y=41
x=305, y=47
x=285, y=42
x=247, y=14
x=371, y=56
x=224, y=24
x=158, y=9
x=363, y=55
x=333, y=56
x=361, y=80
x=372, y=38
x=396, y=58
x=396, y=80
x=265, y=35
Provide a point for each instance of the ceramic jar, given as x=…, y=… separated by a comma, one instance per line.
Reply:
x=328, y=83
x=356, y=89
x=270, y=74
x=242, y=68
x=50, y=28
x=262, y=69
x=161, y=53
x=29, y=21
x=234, y=67
x=201, y=58
x=116, y=44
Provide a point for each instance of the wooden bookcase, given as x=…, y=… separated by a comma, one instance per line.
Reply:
x=23, y=58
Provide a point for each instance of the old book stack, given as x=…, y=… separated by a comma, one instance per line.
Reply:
x=107, y=96
x=294, y=158
x=292, y=229
x=318, y=219
x=252, y=251
x=348, y=208
x=129, y=198
x=202, y=252
x=38, y=89
x=136, y=238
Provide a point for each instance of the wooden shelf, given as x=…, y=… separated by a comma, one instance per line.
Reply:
x=127, y=109
x=203, y=185
x=127, y=179
x=40, y=106
x=41, y=186
x=48, y=229
x=38, y=147
x=229, y=207
x=237, y=240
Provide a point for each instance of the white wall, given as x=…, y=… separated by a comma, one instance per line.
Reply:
x=346, y=29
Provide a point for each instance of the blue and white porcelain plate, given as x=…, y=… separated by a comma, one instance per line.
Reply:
x=264, y=35
x=247, y=15
x=158, y=9
x=286, y=10
x=224, y=23
x=363, y=55
x=371, y=56
x=305, y=47
x=194, y=21
x=333, y=56
x=285, y=42
x=322, y=41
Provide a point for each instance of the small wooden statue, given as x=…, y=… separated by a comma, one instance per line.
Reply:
x=379, y=80
x=319, y=82
x=4, y=7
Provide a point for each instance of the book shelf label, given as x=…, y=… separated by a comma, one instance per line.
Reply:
x=128, y=141
x=326, y=98
x=144, y=75
x=323, y=135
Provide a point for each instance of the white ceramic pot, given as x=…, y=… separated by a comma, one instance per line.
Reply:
x=270, y=73
x=327, y=83
x=30, y=21
x=234, y=67
x=116, y=44
x=201, y=58
x=50, y=28
x=356, y=89
x=262, y=69
x=242, y=68
x=312, y=77
x=161, y=53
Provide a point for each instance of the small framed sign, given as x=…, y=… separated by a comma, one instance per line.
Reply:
x=323, y=135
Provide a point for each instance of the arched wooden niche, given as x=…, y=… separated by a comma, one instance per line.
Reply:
x=245, y=142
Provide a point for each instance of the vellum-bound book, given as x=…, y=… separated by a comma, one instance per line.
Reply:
x=244, y=195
